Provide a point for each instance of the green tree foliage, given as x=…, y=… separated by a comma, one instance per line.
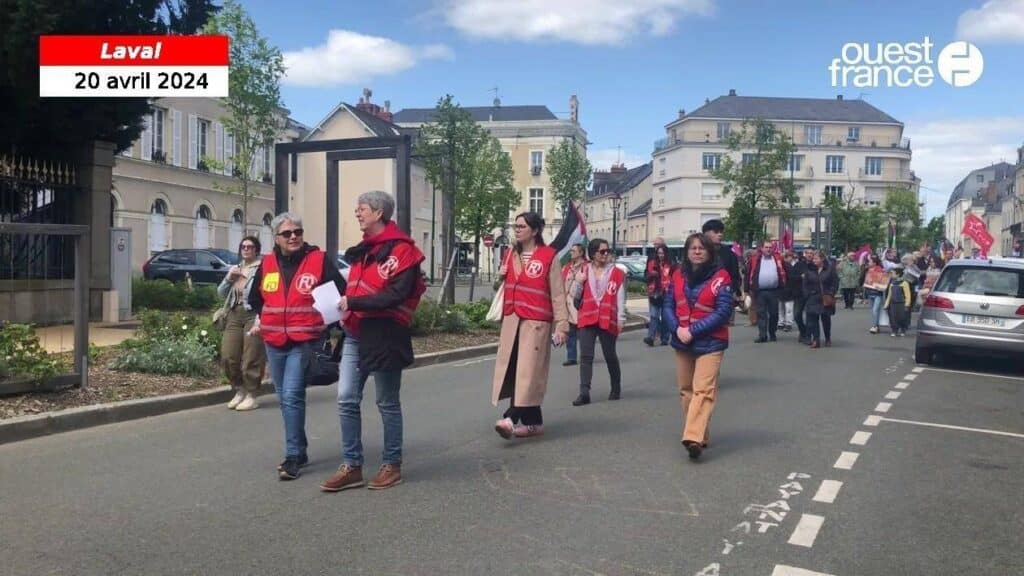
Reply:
x=853, y=224
x=757, y=182
x=569, y=171
x=57, y=127
x=254, y=110
x=904, y=211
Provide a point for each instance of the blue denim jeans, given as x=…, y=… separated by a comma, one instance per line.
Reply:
x=288, y=371
x=350, y=395
x=876, y=309
x=657, y=322
x=570, y=344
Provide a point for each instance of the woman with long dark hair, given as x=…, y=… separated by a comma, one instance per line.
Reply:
x=243, y=356
x=601, y=318
x=697, y=309
x=659, y=272
x=534, y=317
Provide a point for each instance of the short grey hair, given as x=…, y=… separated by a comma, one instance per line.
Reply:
x=283, y=217
x=379, y=200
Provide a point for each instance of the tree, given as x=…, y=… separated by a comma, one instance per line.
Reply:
x=58, y=127
x=935, y=231
x=904, y=212
x=757, y=179
x=254, y=111
x=853, y=224
x=569, y=171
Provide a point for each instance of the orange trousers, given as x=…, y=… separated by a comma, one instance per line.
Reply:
x=698, y=387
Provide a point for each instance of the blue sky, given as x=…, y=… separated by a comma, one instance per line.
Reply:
x=634, y=64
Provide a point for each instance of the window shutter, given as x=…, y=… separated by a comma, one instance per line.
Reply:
x=176, y=141
x=218, y=137
x=254, y=163
x=147, y=136
x=193, y=141
x=273, y=161
x=229, y=152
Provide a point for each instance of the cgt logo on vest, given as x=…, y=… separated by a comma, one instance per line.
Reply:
x=613, y=287
x=305, y=283
x=716, y=286
x=534, y=269
x=889, y=64
x=388, y=267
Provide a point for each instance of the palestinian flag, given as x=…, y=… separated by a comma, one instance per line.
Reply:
x=573, y=231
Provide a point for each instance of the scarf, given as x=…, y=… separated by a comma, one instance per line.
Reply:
x=599, y=285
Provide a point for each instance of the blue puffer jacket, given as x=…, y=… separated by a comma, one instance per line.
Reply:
x=702, y=342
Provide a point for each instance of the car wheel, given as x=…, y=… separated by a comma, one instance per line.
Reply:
x=924, y=355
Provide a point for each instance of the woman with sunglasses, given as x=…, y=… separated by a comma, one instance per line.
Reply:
x=697, y=308
x=534, y=317
x=601, y=317
x=290, y=325
x=243, y=356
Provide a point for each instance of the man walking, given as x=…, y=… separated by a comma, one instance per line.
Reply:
x=714, y=229
x=799, y=298
x=766, y=277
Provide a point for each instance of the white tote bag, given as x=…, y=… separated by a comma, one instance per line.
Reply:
x=496, y=311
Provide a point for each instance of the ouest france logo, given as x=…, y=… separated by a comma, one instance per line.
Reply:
x=902, y=65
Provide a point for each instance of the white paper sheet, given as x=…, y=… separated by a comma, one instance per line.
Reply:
x=325, y=300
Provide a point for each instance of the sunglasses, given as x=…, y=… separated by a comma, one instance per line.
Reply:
x=520, y=226
x=286, y=234
x=603, y=251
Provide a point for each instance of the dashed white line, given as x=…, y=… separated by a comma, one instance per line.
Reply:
x=828, y=491
x=883, y=407
x=872, y=420
x=860, y=438
x=892, y=395
x=951, y=427
x=903, y=385
x=910, y=377
x=783, y=570
x=806, y=530
x=846, y=460
x=917, y=370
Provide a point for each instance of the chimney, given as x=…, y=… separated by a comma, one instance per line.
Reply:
x=707, y=101
x=618, y=168
x=387, y=105
x=732, y=91
x=682, y=113
x=497, y=102
x=839, y=96
x=574, y=109
x=366, y=106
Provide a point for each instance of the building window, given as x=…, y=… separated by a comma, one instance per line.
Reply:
x=711, y=192
x=834, y=164
x=812, y=134
x=980, y=178
x=766, y=134
x=536, y=161
x=158, y=130
x=795, y=163
x=723, y=130
x=853, y=134
x=873, y=166
x=266, y=162
x=661, y=225
x=204, y=138
x=833, y=192
x=749, y=158
x=710, y=161
x=157, y=226
x=537, y=201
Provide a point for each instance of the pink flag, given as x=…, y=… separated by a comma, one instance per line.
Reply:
x=737, y=250
x=862, y=254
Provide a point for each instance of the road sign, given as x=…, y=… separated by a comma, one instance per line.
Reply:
x=488, y=240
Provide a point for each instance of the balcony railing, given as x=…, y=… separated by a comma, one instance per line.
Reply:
x=831, y=139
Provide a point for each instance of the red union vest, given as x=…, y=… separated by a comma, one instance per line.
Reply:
x=603, y=314
x=288, y=314
x=528, y=294
x=705, y=303
x=367, y=277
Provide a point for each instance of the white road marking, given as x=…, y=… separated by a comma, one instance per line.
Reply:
x=783, y=570
x=860, y=438
x=983, y=374
x=828, y=491
x=806, y=530
x=883, y=407
x=910, y=377
x=892, y=395
x=903, y=385
x=846, y=460
x=917, y=370
x=951, y=427
x=872, y=420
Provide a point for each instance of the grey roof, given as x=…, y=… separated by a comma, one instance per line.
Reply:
x=641, y=209
x=772, y=108
x=624, y=183
x=1003, y=171
x=479, y=114
x=378, y=126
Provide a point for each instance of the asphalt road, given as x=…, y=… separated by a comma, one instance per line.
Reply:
x=607, y=491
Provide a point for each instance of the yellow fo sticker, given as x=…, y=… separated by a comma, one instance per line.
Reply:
x=271, y=282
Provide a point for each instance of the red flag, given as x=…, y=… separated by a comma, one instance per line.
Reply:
x=863, y=253
x=787, y=239
x=975, y=229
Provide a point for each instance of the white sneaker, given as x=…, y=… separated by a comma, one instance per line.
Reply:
x=239, y=396
x=249, y=403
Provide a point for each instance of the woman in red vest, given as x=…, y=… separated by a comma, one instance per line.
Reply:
x=289, y=325
x=697, y=309
x=535, y=316
x=601, y=317
x=384, y=288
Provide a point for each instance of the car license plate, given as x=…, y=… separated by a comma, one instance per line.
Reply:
x=984, y=321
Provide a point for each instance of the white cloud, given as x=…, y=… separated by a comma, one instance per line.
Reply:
x=996, y=21
x=944, y=151
x=604, y=158
x=349, y=57
x=589, y=22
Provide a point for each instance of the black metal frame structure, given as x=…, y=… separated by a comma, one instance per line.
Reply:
x=398, y=148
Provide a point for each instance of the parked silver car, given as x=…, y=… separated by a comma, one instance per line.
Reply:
x=977, y=307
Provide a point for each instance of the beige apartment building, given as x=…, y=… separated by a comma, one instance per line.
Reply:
x=618, y=205
x=167, y=195
x=842, y=147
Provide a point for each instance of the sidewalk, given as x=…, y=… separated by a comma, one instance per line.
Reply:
x=55, y=339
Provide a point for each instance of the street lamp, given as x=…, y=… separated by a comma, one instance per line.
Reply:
x=616, y=201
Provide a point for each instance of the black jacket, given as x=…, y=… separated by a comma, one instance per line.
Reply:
x=816, y=283
x=727, y=259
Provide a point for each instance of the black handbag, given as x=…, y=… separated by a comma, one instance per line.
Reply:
x=324, y=360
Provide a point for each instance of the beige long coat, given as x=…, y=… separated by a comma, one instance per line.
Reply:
x=534, y=347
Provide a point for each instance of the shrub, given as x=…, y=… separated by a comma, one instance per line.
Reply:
x=476, y=313
x=427, y=317
x=165, y=295
x=21, y=354
x=636, y=287
x=454, y=321
x=171, y=343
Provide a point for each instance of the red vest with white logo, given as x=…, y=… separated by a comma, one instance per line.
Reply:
x=603, y=314
x=367, y=277
x=288, y=314
x=528, y=294
x=705, y=303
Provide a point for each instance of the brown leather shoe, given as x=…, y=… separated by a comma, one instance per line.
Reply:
x=389, y=475
x=346, y=477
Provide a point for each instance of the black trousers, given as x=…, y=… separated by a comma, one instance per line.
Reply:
x=798, y=315
x=588, y=342
x=527, y=415
x=848, y=296
x=767, y=313
x=818, y=323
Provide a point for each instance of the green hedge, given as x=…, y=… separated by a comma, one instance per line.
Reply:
x=172, y=343
x=165, y=295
